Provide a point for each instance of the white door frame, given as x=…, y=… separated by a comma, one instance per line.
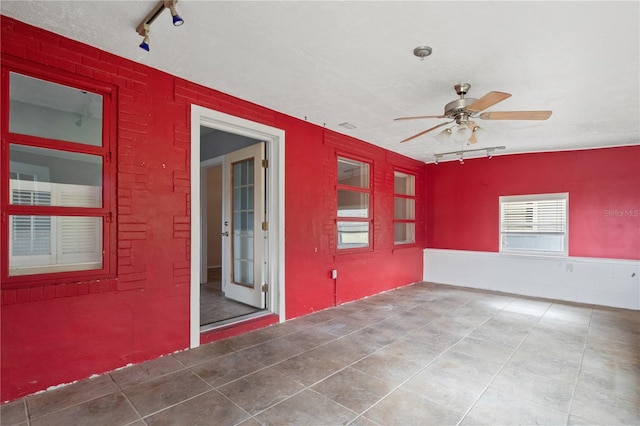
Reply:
x=274, y=137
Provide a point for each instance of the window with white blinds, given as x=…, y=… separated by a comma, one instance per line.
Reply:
x=534, y=224
x=52, y=243
x=57, y=196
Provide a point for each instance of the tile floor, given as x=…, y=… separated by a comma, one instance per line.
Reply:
x=420, y=355
x=214, y=306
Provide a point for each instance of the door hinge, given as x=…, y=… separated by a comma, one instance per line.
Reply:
x=265, y=226
x=265, y=288
x=265, y=164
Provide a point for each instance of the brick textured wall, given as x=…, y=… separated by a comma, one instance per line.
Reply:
x=99, y=325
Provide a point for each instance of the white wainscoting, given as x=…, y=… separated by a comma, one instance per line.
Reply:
x=607, y=282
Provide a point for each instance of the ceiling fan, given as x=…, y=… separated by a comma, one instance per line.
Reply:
x=463, y=110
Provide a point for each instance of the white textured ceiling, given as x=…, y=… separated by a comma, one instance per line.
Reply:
x=331, y=62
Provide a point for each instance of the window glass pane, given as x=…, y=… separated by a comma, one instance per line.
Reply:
x=535, y=223
x=242, y=227
x=353, y=234
x=44, y=244
x=353, y=204
x=42, y=176
x=404, y=233
x=353, y=173
x=403, y=183
x=403, y=208
x=533, y=242
x=45, y=109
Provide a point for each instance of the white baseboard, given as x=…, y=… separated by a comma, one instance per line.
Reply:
x=607, y=282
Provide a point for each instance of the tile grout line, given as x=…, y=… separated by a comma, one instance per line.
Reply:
x=575, y=384
x=68, y=406
x=128, y=400
x=428, y=364
x=504, y=364
x=308, y=387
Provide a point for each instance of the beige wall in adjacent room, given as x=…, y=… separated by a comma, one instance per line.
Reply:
x=214, y=216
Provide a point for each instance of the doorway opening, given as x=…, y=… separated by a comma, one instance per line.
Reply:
x=233, y=250
x=237, y=221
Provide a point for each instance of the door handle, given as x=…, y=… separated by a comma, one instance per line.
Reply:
x=225, y=234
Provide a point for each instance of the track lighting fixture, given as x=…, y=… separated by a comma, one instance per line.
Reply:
x=461, y=153
x=145, y=26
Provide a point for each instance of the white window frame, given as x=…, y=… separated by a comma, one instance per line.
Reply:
x=533, y=234
x=408, y=194
x=355, y=226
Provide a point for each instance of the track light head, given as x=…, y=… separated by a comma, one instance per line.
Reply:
x=177, y=20
x=145, y=41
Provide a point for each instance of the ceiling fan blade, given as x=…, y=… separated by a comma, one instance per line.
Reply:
x=488, y=100
x=418, y=117
x=425, y=131
x=516, y=115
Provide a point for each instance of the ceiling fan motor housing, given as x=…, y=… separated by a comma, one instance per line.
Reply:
x=458, y=108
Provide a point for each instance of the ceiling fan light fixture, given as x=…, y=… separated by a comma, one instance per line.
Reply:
x=444, y=135
x=463, y=132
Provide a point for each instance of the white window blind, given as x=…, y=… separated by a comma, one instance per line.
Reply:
x=534, y=223
x=52, y=242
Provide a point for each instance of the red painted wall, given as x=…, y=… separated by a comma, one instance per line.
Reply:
x=604, y=199
x=53, y=334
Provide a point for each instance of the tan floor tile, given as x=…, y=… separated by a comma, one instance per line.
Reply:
x=139, y=373
x=406, y=408
x=449, y=391
x=227, y=368
x=260, y=390
x=160, y=393
x=363, y=421
x=413, y=349
x=546, y=365
x=486, y=351
x=67, y=396
x=501, y=408
x=203, y=353
x=309, y=338
x=309, y=367
x=612, y=377
x=592, y=404
x=108, y=410
x=546, y=390
x=274, y=351
x=452, y=364
x=353, y=389
x=13, y=413
x=206, y=409
x=306, y=408
x=387, y=365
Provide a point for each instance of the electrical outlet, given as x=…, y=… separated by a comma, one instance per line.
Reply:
x=334, y=274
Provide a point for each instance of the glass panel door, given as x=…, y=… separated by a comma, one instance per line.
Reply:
x=244, y=242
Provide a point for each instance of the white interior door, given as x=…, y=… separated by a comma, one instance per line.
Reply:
x=242, y=232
